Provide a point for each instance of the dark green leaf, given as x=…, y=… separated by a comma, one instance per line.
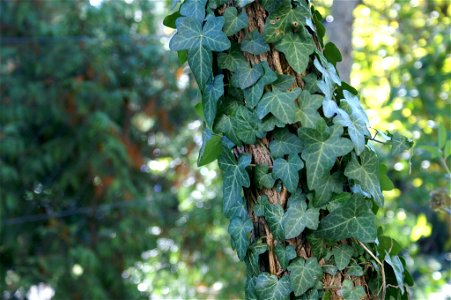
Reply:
x=247, y=125
x=239, y=230
x=245, y=75
x=328, y=185
x=231, y=60
x=227, y=126
x=169, y=20
x=280, y=104
x=263, y=179
x=254, y=43
x=354, y=270
x=288, y=171
x=210, y=99
x=298, y=217
x=304, y=274
x=253, y=94
x=284, y=143
x=342, y=255
x=234, y=22
x=285, y=254
x=385, y=181
x=308, y=112
x=365, y=174
x=284, y=82
x=352, y=218
x=332, y=53
x=398, y=269
x=194, y=9
x=252, y=258
x=399, y=144
x=268, y=287
x=351, y=292
x=297, y=48
x=211, y=148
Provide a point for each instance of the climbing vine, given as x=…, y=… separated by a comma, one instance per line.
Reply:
x=302, y=182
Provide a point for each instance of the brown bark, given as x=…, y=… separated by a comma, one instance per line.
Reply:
x=261, y=155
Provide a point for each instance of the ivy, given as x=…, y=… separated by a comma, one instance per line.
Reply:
x=293, y=145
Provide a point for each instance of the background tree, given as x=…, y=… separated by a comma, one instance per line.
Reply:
x=273, y=98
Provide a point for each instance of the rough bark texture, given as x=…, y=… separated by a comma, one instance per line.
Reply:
x=261, y=155
x=340, y=33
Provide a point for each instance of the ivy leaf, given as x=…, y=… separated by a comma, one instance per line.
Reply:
x=355, y=108
x=399, y=143
x=318, y=245
x=288, y=171
x=352, y=218
x=210, y=99
x=247, y=125
x=283, y=19
x=270, y=122
x=245, y=75
x=321, y=151
x=357, y=129
x=284, y=142
x=263, y=179
x=304, y=274
x=273, y=215
x=365, y=174
x=235, y=177
x=268, y=287
x=280, y=104
x=385, y=181
x=243, y=3
x=349, y=292
x=254, y=93
x=249, y=289
x=327, y=186
x=298, y=217
x=327, y=69
x=284, y=82
x=252, y=257
x=342, y=255
x=308, y=112
x=310, y=83
x=354, y=270
x=211, y=148
x=297, y=48
x=231, y=60
x=194, y=9
x=332, y=53
x=226, y=125
x=234, y=22
x=285, y=254
x=254, y=43
x=200, y=41
x=239, y=230
x=169, y=20
x=398, y=269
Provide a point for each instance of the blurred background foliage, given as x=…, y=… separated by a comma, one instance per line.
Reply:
x=100, y=197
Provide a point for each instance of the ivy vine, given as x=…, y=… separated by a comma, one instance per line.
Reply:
x=302, y=183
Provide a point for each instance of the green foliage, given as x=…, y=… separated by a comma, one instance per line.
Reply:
x=276, y=124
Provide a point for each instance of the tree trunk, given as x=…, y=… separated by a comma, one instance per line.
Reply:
x=340, y=33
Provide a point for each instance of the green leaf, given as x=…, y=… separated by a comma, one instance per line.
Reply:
x=389, y=245
x=245, y=75
x=330, y=269
x=310, y=83
x=231, y=60
x=332, y=53
x=200, y=41
x=211, y=148
x=288, y=171
x=351, y=292
x=297, y=48
x=249, y=289
x=239, y=231
x=283, y=20
x=321, y=151
x=447, y=150
x=194, y=9
x=210, y=99
x=253, y=94
x=318, y=245
x=235, y=177
x=254, y=43
x=357, y=129
x=304, y=274
x=398, y=269
x=252, y=257
x=182, y=56
x=234, y=22
x=327, y=186
x=399, y=144
x=247, y=125
x=268, y=287
x=285, y=254
x=169, y=20
x=354, y=270
x=365, y=174
x=385, y=181
x=284, y=142
x=284, y=82
x=263, y=179
x=273, y=215
x=352, y=218
x=308, y=112
x=342, y=255
x=270, y=122
x=280, y=104
x=298, y=217
x=227, y=126
x=327, y=70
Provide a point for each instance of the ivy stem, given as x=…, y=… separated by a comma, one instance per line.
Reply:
x=379, y=263
x=377, y=141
